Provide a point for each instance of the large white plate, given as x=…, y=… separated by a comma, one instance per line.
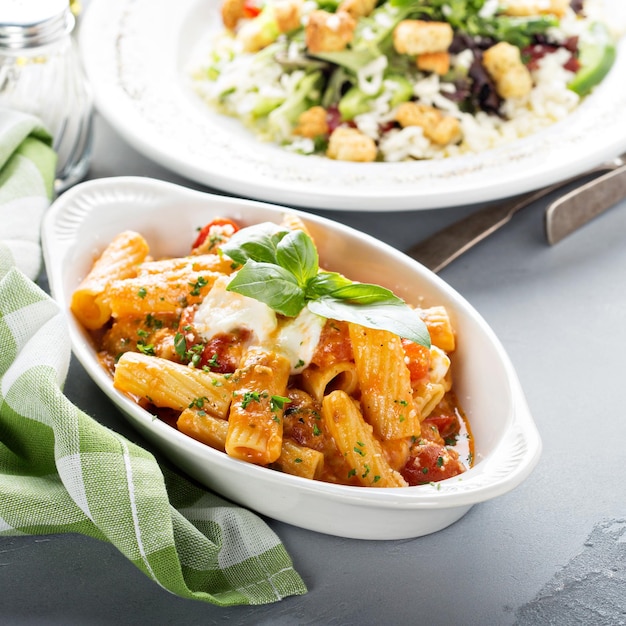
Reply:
x=136, y=54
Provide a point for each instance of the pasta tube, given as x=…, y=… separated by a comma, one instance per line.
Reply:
x=255, y=422
x=168, y=384
x=357, y=443
x=200, y=263
x=159, y=293
x=299, y=460
x=119, y=260
x=203, y=427
x=318, y=381
x=386, y=394
x=440, y=328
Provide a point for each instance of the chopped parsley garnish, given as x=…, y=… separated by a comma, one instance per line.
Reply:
x=248, y=397
x=198, y=403
x=180, y=345
x=153, y=322
x=146, y=348
x=278, y=402
x=197, y=286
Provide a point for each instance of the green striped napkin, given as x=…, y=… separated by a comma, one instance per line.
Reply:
x=61, y=471
x=27, y=164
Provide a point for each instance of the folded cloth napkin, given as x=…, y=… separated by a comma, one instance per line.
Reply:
x=62, y=472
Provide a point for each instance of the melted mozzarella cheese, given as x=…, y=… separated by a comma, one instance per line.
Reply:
x=439, y=365
x=298, y=338
x=224, y=311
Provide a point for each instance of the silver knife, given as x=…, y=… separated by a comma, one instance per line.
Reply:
x=576, y=208
x=446, y=245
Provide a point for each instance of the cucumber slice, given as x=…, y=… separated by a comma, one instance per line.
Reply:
x=597, y=53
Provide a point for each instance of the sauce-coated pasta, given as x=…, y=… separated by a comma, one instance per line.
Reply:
x=326, y=399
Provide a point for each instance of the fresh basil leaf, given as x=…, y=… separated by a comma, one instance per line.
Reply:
x=258, y=243
x=399, y=319
x=325, y=284
x=364, y=294
x=270, y=284
x=297, y=254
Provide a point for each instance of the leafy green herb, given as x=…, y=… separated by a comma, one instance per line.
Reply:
x=278, y=402
x=248, y=397
x=142, y=292
x=145, y=348
x=191, y=355
x=180, y=345
x=197, y=286
x=281, y=269
x=213, y=361
x=153, y=322
x=198, y=403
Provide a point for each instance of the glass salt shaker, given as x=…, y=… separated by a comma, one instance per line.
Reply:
x=41, y=74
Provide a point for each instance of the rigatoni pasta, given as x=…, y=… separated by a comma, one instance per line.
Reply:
x=258, y=374
x=120, y=259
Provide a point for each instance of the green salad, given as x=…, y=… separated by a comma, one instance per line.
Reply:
x=396, y=80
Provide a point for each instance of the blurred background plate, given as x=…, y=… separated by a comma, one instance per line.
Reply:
x=137, y=55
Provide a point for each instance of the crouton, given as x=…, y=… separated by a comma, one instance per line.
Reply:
x=418, y=37
x=357, y=8
x=232, y=12
x=288, y=14
x=437, y=62
x=350, y=144
x=312, y=123
x=437, y=127
x=503, y=63
x=329, y=32
x=529, y=8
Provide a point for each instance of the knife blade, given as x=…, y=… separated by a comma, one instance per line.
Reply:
x=440, y=249
x=449, y=243
x=574, y=209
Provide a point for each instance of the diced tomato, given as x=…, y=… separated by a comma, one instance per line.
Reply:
x=447, y=424
x=417, y=359
x=220, y=225
x=431, y=462
x=250, y=9
x=334, y=345
x=223, y=352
